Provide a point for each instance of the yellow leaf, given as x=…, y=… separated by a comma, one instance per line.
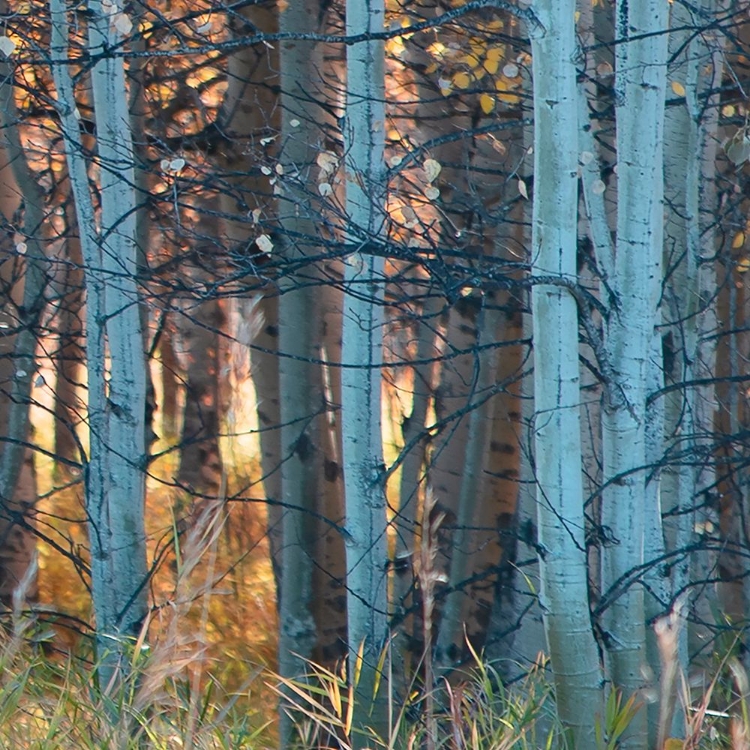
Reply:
x=471, y=60
x=462, y=80
x=491, y=66
x=487, y=103
x=495, y=53
x=678, y=88
x=505, y=89
x=743, y=265
x=738, y=241
x=673, y=744
x=477, y=46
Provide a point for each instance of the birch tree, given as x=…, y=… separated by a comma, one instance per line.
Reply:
x=363, y=318
x=636, y=283
x=114, y=469
x=564, y=586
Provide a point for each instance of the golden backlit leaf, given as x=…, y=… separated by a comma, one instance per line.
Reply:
x=495, y=53
x=678, y=88
x=487, y=103
x=471, y=60
x=738, y=241
x=462, y=80
x=491, y=66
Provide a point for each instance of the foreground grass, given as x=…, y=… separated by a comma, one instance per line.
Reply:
x=172, y=697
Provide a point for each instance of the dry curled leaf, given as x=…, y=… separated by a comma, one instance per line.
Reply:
x=431, y=169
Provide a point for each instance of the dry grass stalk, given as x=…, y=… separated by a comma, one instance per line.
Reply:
x=429, y=576
x=177, y=651
x=667, y=631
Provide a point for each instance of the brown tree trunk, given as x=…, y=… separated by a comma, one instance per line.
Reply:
x=200, y=455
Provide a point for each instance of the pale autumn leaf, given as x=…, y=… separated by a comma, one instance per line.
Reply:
x=7, y=46
x=122, y=24
x=327, y=161
x=523, y=189
x=598, y=187
x=738, y=150
x=325, y=189
x=432, y=193
x=264, y=243
x=431, y=169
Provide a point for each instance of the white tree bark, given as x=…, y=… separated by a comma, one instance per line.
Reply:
x=116, y=397
x=564, y=594
x=364, y=279
x=641, y=81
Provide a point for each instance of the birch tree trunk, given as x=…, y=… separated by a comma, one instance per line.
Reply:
x=114, y=471
x=366, y=553
x=689, y=242
x=641, y=81
x=564, y=586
